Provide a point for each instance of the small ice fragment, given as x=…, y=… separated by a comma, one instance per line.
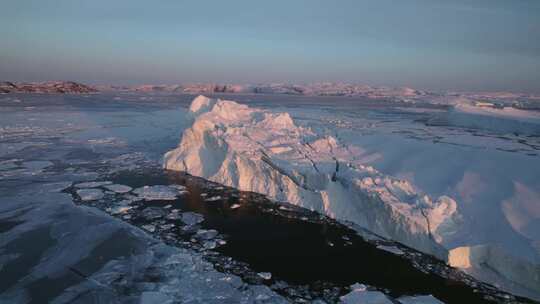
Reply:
x=391, y=249
x=117, y=188
x=168, y=207
x=365, y=297
x=174, y=216
x=158, y=192
x=330, y=244
x=90, y=194
x=206, y=234
x=92, y=184
x=213, y=199
x=265, y=275
x=235, y=206
x=167, y=226
x=191, y=218
x=209, y=244
x=358, y=287
x=150, y=228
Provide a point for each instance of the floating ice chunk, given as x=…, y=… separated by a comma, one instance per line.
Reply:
x=265, y=275
x=174, y=216
x=213, y=199
x=90, y=194
x=117, y=188
x=235, y=206
x=209, y=244
x=362, y=296
x=92, y=184
x=167, y=226
x=191, y=218
x=158, y=192
x=429, y=299
x=206, y=234
x=391, y=249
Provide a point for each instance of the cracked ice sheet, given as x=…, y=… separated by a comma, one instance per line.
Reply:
x=81, y=254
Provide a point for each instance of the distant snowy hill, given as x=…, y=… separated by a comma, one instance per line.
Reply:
x=45, y=87
x=400, y=94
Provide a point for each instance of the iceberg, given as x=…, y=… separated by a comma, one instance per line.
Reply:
x=257, y=150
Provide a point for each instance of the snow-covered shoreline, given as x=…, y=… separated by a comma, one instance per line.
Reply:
x=257, y=150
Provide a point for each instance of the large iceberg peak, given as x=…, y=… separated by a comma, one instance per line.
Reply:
x=201, y=104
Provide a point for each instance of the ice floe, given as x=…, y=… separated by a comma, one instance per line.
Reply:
x=90, y=194
x=158, y=192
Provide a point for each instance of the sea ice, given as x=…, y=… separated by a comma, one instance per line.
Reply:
x=265, y=275
x=90, y=194
x=359, y=294
x=191, y=218
x=206, y=234
x=158, y=192
x=119, y=188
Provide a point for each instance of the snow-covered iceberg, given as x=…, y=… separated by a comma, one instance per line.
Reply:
x=257, y=150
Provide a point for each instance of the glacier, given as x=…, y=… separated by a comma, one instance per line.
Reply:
x=258, y=150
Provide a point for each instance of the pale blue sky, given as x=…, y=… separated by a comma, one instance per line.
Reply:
x=432, y=44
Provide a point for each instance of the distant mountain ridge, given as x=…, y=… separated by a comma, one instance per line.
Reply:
x=61, y=87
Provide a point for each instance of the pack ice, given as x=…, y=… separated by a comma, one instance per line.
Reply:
x=257, y=150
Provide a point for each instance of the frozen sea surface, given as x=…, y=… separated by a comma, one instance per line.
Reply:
x=55, y=250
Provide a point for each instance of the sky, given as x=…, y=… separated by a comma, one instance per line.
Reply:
x=483, y=45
